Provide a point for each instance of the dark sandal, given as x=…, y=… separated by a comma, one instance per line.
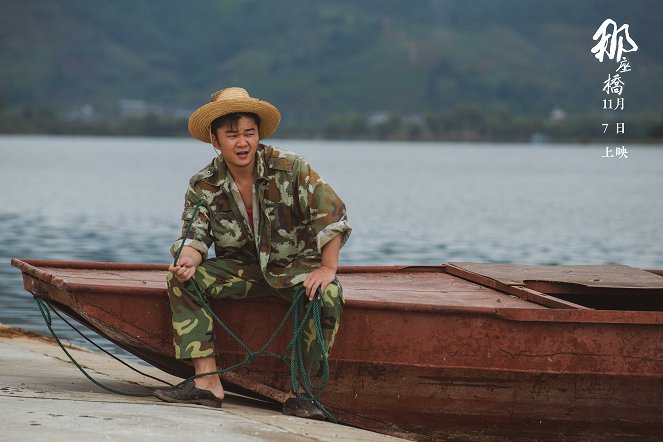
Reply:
x=188, y=393
x=304, y=407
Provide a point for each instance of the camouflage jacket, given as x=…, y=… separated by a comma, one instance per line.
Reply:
x=295, y=214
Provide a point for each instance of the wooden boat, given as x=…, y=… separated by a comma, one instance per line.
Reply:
x=425, y=352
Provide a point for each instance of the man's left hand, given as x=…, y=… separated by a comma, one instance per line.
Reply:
x=318, y=278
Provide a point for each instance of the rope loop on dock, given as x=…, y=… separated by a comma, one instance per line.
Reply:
x=44, y=308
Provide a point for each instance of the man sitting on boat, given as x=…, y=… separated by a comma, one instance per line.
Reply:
x=275, y=225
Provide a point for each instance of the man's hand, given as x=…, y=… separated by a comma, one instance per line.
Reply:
x=190, y=258
x=318, y=278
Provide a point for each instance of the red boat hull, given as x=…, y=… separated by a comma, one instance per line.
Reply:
x=449, y=357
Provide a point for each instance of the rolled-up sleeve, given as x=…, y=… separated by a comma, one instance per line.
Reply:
x=326, y=210
x=198, y=236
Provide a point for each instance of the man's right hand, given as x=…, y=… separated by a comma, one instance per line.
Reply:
x=189, y=259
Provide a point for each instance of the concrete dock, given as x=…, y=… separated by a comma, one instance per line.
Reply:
x=43, y=396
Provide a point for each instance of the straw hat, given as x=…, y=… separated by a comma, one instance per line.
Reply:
x=230, y=100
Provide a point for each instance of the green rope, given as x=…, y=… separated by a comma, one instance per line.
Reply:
x=45, y=312
x=292, y=350
x=297, y=360
x=100, y=348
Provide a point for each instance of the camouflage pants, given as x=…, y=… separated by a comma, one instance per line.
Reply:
x=193, y=335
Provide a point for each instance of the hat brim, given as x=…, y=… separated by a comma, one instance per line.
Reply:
x=200, y=120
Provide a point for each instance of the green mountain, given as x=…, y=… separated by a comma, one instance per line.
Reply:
x=322, y=61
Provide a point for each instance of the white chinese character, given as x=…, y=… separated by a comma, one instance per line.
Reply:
x=624, y=66
x=620, y=128
x=608, y=153
x=613, y=85
x=621, y=152
x=612, y=43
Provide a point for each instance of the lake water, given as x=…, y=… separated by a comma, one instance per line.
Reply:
x=120, y=199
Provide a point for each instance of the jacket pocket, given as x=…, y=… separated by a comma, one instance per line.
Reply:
x=226, y=229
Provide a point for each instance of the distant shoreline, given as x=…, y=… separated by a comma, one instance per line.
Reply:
x=461, y=124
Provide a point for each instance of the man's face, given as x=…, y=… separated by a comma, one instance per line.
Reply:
x=238, y=144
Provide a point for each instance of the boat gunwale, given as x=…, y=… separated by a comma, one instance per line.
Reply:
x=31, y=267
